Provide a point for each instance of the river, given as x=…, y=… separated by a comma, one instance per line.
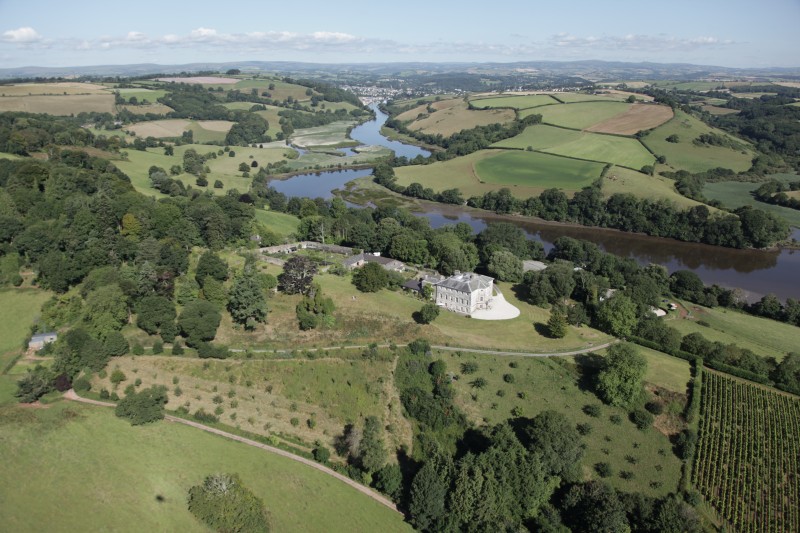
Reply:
x=755, y=272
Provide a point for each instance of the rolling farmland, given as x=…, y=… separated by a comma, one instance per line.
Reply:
x=747, y=464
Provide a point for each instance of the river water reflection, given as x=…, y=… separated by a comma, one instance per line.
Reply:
x=757, y=273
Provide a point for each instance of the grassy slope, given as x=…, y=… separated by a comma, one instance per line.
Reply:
x=517, y=102
x=687, y=156
x=582, y=115
x=453, y=117
x=534, y=169
x=765, y=337
x=280, y=223
x=624, y=180
x=18, y=310
x=95, y=472
x=539, y=137
x=735, y=194
x=554, y=384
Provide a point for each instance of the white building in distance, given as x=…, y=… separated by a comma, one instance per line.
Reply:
x=464, y=293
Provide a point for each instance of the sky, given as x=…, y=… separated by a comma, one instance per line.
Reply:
x=730, y=33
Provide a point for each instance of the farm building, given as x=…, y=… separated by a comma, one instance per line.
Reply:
x=464, y=292
x=417, y=284
x=533, y=266
x=38, y=341
x=359, y=260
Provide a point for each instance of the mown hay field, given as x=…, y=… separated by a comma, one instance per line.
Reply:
x=638, y=117
x=59, y=105
x=53, y=89
x=582, y=115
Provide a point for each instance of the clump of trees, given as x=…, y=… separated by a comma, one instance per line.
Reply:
x=143, y=407
x=223, y=503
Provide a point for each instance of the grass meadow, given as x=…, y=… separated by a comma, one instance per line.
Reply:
x=685, y=155
x=452, y=116
x=534, y=169
x=86, y=470
x=280, y=223
x=735, y=194
x=516, y=102
x=625, y=180
x=19, y=309
x=560, y=384
x=765, y=337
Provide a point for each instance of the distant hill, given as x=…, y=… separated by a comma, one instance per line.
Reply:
x=590, y=69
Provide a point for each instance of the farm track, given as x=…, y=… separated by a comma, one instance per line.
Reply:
x=588, y=349
x=72, y=395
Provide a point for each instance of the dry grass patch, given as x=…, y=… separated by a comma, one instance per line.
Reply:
x=216, y=125
x=638, y=117
x=715, y=110
x=54, y=89
x=59, y=105
x=452, y=116
x=156, y=109
x=161, y=128
x=205, y=80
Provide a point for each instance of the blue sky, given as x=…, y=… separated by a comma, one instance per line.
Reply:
x=731, y=33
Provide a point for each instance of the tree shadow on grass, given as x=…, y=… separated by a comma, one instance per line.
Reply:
x=588, y=366
x=542, y=329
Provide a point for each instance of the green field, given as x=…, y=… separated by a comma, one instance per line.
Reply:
x=534, y=169
x=539, y=137
x=607, y=148
x=516, y=102
x=86, y=470
x=735, y=194
x=4, y=155
x=582, y=115
x=569, y=98
x=280, y=223
x=551, y=383
x=19, y=309
x=666, y=371
x=765, y=337
x=624, y=180
x=684, y=155
x=141, y=93
x=460, y=172
x=333, y=134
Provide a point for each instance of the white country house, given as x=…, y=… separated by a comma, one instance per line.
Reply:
x=464, y=292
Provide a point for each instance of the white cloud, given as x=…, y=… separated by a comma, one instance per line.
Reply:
x=636, y=42
x=24, y=35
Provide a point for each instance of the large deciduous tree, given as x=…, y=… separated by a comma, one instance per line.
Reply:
x=620, y=381
x=297, y=276
x=199, y=322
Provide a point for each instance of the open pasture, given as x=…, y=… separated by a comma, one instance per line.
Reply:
x=571, y=98
x=173, y=127
x=19, y=309
x=685, y=155
x=86, y=470
x=330, y=135
x=59, y=105
x=515, y=102
x=624, y=180
x=452, y=116
x=537, y=170
x=156, y=109
x=715, y=110
x=735, y=194
x=202, y=80
x=51, y=89
x=636, y=118
x=582, y=115
x=539, y=137
x=558, y=384
x=277, y=222
x=765, y=337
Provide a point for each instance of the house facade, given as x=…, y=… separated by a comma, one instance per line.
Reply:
x=464, y=292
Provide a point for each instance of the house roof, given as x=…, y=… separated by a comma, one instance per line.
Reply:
x=44, y=336
x=467, y=282
x=536, y=266
x=369, y=258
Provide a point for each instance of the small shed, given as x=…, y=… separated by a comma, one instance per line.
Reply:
x=38, y=341
x=533, y=266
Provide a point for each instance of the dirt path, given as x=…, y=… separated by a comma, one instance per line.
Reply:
x=71, y=395
x=588, y=349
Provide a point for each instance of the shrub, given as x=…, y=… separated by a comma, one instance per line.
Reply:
x=104, y=395
x=202, y=416
x=158, y=347
x=592, y=410
x=321, y=454
x=117, y=376
x=138, y=349
x=584, y=429
x=224, y=504
x=294, y=421
x=177, y=348
x=426, y=314
x=641, y=418
x=470, y=367
x=603, y=469
x=508, y=378
x=143, y=407
x=615, y=419
x=655, y=408
x=81, y=384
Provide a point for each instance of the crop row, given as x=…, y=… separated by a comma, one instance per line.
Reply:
x=747, y=464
